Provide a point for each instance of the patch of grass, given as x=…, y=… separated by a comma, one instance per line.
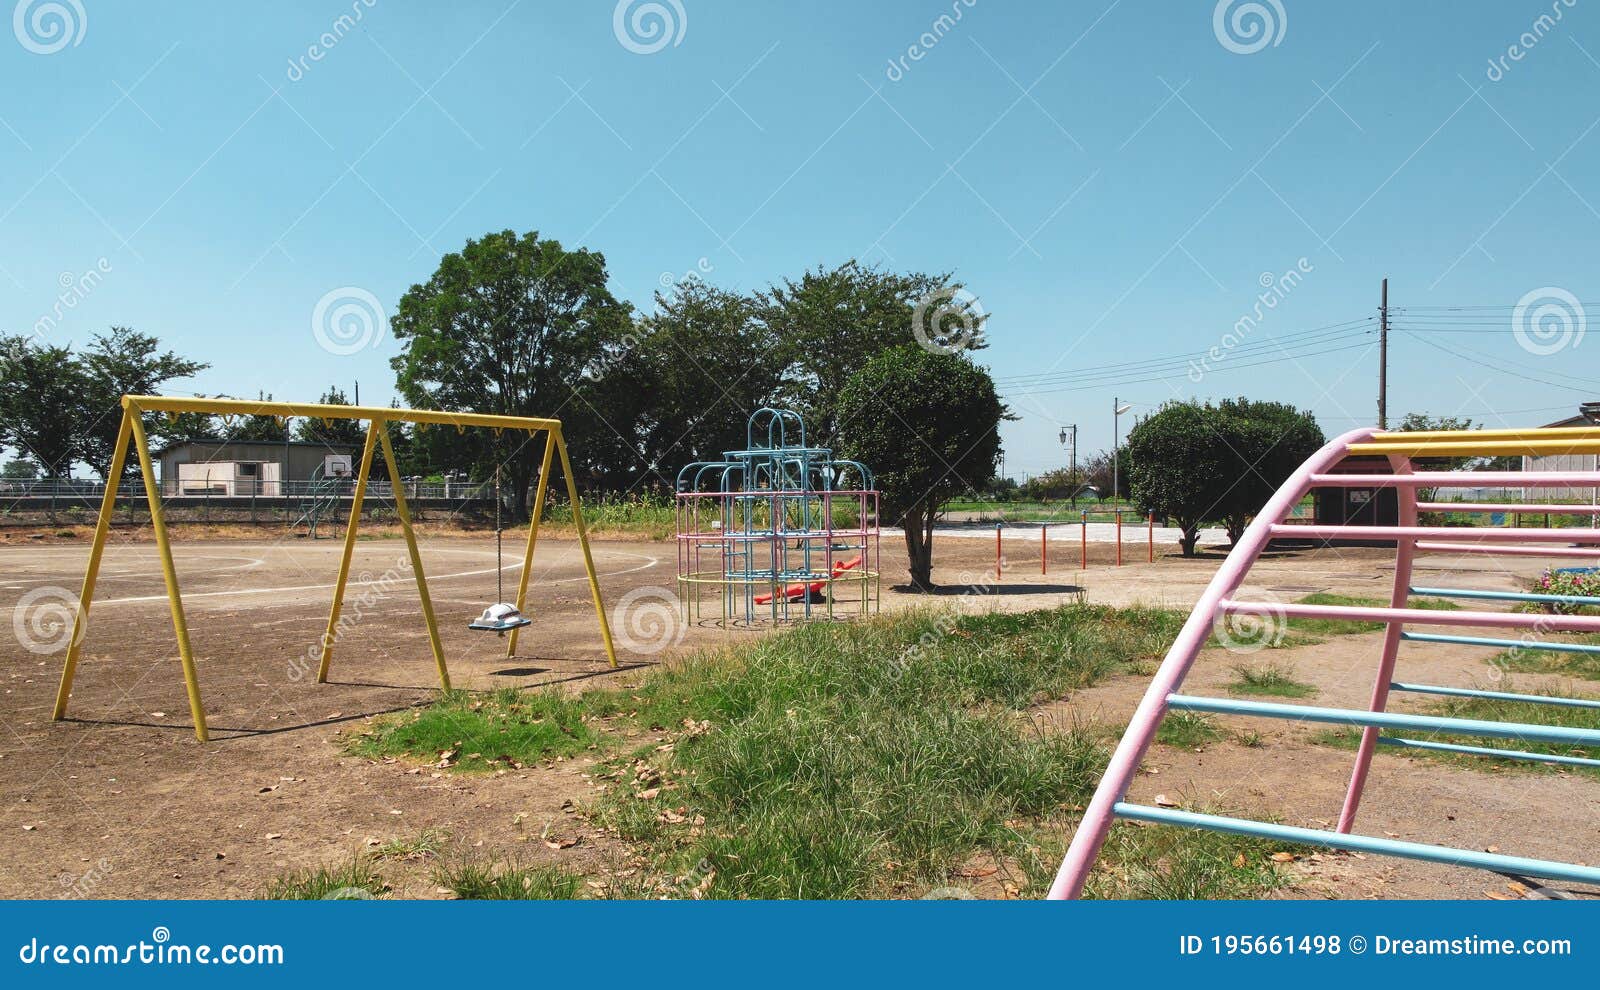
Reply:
x=1187, y=730
x=424, y=846
x=1162, y=862
x=868, y=759
x=1269, y=680
x=466, y=731
x=477, y=881
x=1581, y=665
x=355, y=880
x=1343, y=627
x=1490, y=710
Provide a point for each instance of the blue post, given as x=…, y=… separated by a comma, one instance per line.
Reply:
x=1388, y=720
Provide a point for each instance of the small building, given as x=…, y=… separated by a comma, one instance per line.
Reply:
x=251, y=467
x=1357, y=506
x=1566, y=462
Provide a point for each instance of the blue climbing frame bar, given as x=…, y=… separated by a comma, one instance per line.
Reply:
x=1388, y=720
x=1506, y=596
x=1507, y=754
x=1458, y=692
x=1363, y=843
x=1509, y=644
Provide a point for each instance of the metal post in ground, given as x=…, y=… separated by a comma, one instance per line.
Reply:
x=1119, y=536
x=1044, y=549
x=998, y=565
x=1150, y=530
x=1083, y=540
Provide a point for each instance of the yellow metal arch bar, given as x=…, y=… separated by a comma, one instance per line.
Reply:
x=102, y=528
x=416, y=556
x=533, y=536
x=132, y=433
x=313, y=410
x=583, y=541
x=356, y=500
x=1467, y=447
x=180, y=627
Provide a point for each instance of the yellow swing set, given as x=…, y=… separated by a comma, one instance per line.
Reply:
x=132, y=433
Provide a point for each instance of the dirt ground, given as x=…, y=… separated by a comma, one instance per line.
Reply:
x=121, y=801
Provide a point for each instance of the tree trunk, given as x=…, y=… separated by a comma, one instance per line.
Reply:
x=918, y=525
x=1236, y=527
x=1190, y=537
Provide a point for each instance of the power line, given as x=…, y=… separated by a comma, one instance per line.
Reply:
x=1181, y=362
x=1219, y=369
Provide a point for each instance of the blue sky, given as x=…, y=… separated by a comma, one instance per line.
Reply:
x=1110, y=179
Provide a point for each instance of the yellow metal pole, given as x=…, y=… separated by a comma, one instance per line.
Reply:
x=373, y=430
x=102, y=528
x=416, y=556
x=164, y=546
x=583, y=541
x=533, y=536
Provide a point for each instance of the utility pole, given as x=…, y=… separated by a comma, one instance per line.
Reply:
x=1069, y=439
x=1383, y=357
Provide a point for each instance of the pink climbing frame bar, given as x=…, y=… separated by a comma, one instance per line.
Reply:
x=1410, y=539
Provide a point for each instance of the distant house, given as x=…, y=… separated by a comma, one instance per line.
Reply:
x=251, y=467
x=1566, y=462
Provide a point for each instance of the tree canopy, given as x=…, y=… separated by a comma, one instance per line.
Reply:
x=512, y=325
x=1196, y=463
x=927, y=425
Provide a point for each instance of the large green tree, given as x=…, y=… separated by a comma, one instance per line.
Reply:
x=927, y=425
x=690, y=375
x=832, y=321
x=43, y=403
x=122, y=362
x=512, y=325
x=1196, y=463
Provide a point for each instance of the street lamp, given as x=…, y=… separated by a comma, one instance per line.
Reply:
x=1118, y=407
x=1069, y=434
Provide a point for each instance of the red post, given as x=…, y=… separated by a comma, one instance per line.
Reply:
x=1044, y=549
x=1119, y=536
x=1150, y=529
x=997, y=556
x=1083, y=540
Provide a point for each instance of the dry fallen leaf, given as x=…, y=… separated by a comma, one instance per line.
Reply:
x=1283, y=857
x=562, y=843
x=1518, y=888
x=1238, y=862
x=648, y=794
x=274, y=835
x=1165, y=802
x=983, y=871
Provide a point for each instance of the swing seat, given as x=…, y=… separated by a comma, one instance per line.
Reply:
x=500, y=618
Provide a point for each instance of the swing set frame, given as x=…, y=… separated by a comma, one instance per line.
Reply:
x=132, y=434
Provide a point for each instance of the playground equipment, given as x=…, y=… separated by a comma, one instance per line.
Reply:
x=132, y=433
x=776, y=529
x=1403, y=451
x=321, y=498
x=501, y=617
